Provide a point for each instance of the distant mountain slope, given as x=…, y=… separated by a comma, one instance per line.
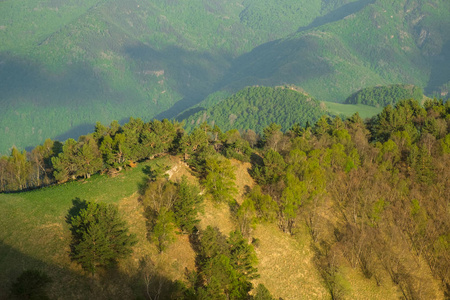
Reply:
x=380, y=96
x=339, y=53
x=66, y=64
x=257, y=107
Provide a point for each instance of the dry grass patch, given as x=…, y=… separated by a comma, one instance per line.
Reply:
x=179, y=169
x=170, y=263
x=217, y=215
x=244, y=181
x=285, y=265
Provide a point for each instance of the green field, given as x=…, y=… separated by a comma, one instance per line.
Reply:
x=365, y=111
x=35, y=233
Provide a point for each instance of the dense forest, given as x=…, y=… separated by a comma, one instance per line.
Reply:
x=374, y=196
x=381, y=96
x=257, y=107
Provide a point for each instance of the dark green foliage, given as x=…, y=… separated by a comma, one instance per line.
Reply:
x=194, y=142
x=168, y=205
x=257, y=107
x=407, y=115
x=234, y=146
x=187, y=206
x=272, y=169
x=212, y=243
x=242, y=255
x=31, y=285
x=262, y=293
x=223, y=281
x=100, y=237
x=226, y=266
x=381, y=96
x=219, y=181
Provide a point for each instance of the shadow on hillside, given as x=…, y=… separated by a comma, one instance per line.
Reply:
x=440, y=71
x=187, y=113
x=29, y=83
x=279, y=62
x=65, y=283
x=338, y=14
x=145, y=281
x=31, y=92
x=77, y=206
x=193, y=73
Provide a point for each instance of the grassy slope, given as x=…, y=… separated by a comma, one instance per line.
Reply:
x=35, y=235
x=365, y=111
x=34, y=232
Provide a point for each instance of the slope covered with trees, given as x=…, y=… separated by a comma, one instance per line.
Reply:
x=372, y=198
x=257, y=107
x=381, y=96
x=359, y=44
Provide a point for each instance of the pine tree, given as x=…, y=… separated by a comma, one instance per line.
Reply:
x=163, y=231
x=100, y=236
x=220, y=179
x=242, y=255
x=187, y=205
x=262, y=293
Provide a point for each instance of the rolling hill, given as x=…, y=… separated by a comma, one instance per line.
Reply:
x=257, y=107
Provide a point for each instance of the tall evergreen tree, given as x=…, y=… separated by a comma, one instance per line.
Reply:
x=187, y=205
x=220, y=178
x=100, y=236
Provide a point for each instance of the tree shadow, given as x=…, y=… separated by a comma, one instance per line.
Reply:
x=440, y=71
x=77, y=206
x=338, y=14
x=65, y=284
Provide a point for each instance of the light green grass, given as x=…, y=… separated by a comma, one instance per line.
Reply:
x=34, y=232
x=365, y=111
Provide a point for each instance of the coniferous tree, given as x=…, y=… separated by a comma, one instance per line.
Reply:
x=100, y=236
x=187, y=206
x=163, y=230
x=220, y=178
x=262, y=293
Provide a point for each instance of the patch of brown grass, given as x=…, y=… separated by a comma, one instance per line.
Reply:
x=285, y=265
x=172, y=262
x=244, y=181
x=217, y=215
x=180, y=169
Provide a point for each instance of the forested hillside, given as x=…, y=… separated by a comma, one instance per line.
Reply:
x=66, y=64
x=362, y=206
x=381, y=96
x=257, y=107
x=360, y=44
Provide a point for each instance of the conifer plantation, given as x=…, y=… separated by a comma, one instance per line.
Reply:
x=367, y=199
